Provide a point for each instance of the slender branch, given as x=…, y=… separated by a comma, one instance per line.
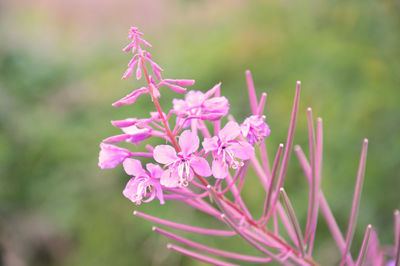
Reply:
x=356, y=201
x=293, y=220
x=364, y=246
x=198, y=256
x=214, y=251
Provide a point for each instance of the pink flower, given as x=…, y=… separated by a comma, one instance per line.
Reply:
x=255, y=129
x=226, y=150
x=144, y=184
x=133, y=134
x=200, y=104
x=110, y=155
x=181, y=165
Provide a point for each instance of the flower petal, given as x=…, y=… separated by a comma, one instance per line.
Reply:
x=159, y=193
x=219, y=170
x=131, y=192
x=200, y=166
x=117, y=138
x=110, y=155
x=210, y=144
x=189, y=142
x=242, y=150
x=170, y=178
x=164, y=154
x=133, y=167
x=230, y=131
x=155, y=170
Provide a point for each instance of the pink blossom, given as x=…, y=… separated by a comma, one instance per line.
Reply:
x=133, y=134
x=181, y=165
x=255, y=129
x=200, y=104
x=226, y=150
x=144, y=184
x=110, y=155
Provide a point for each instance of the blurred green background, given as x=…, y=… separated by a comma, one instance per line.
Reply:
x=60, y=69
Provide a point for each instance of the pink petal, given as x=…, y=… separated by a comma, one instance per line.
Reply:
x=242, y=150
x=189, y=142
x=159, y=193
x=179, y=106
x=164, y=154
x=201, y=166
x=133, y=167
x=217, y=105
x=128, y=73
x=210, y=144
x=169, y=178
x=194, y=98
x=219, y=170
x=175, y=88
x=128, y=47
x=230, y=131
x=130, y=98
x=110, y=155
x=131, y=190
x=154, y=170
x=134, y=130
x=124, y=123
x=181, y=82
x=117, y=138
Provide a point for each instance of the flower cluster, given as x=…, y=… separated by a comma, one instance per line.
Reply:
x=189, y=154
x=183, y=159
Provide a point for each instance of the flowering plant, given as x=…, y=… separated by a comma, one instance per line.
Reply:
x=216, y=162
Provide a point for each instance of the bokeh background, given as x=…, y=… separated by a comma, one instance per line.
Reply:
x=60, y=69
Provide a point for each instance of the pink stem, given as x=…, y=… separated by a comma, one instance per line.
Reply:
x=356, y=201
x=318, y=177
x=325, y=209
x=183, y=227
x=293, y=220
x=271, y=184
x=198, y=256
x=397, y=237
x=211, y=250
x=312, y=200
x=252, y=92
x=142, y=154
x=235, y=177
x=261, y=104
x=288, y=146
x=248, y=239
x=364, y=246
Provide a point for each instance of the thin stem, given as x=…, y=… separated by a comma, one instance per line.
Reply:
x=183, y=227
x=397, y=237
x=364, y=246
x=318, y=178
x=198, y=256
x=325, y=209
x=158, y=107
x=293, y=220
x=312, y=200
x=248, y=239
x=211, y=250
x=356, y=201
x=272, y=184
x=289, y=143
x=252, y=92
